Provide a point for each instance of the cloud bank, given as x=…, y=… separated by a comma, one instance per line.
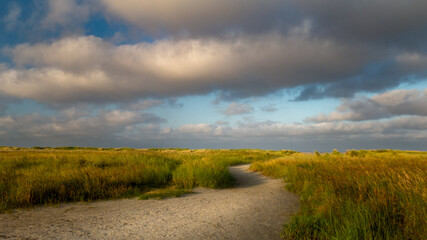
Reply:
x=124, y=61
x=91, y=69
x=113, y=128
x=241, y=48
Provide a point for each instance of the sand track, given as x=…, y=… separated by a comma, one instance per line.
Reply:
x=255, y=208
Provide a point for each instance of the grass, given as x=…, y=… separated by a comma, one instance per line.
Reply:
x=357, y=195
x=377, y=194
x=41, y=175
x=160, y=194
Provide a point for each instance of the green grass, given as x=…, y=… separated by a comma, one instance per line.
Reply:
x=160, y=194
x=377, y=194
x=380, y=194
x=43, y=175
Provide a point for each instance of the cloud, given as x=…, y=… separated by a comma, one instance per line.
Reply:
x=384, y=23
x=201, y=129
x=36, y=20
x=136, y=129
x=66, y=13
x=413, y=61
x=144, y=104
x=385, y=105
x=11, y=20
x=205, y=17
x=237, y=49
x=74, y=124
x=402, y=132
x=374, y=77
x=89, y=69
x=238, y=109
x=269, y=108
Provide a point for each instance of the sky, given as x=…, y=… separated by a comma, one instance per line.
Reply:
x=269, y=74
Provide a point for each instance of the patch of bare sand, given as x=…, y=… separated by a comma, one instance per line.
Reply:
x=255, y=208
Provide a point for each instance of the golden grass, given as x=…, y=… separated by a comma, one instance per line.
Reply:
x=357, y=195
x=30, y=177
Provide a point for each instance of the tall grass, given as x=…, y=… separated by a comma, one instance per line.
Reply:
x=40, y=175
x=356, y=195
x=31, y=178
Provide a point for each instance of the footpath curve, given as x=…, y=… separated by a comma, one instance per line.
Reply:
x=255, y=208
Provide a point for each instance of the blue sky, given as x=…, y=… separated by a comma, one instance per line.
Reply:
x=272, y=74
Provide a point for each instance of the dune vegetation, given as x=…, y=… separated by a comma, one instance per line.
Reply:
x=365, y=194
x=36, y=176
x=378, y=194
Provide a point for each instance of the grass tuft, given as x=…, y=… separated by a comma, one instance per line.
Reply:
x=160, y=194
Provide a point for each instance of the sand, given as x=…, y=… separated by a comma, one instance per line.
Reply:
x=255, y=208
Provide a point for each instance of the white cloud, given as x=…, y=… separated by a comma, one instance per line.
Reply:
x=88, y=69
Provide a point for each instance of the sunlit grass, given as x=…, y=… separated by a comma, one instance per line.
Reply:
x=362, y=194
x=30, y=177
x=163, y=193
x=356, y=195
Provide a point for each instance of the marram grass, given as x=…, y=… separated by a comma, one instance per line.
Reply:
x=163, y=193
x=356, y=195
x=37, y=176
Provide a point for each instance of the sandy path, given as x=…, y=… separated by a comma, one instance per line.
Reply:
x=255, y=209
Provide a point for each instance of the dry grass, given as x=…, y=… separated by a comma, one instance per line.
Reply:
x=356, y=195
x=30, y=177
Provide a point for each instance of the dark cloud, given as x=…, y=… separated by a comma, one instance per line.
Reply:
x=375, y=77
x=391, y=23
x=385, y=23
x=207, y=18
x=381, y=31
x=312, y=91
x=236, y=48
x=88, y=69
x=385, y=105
